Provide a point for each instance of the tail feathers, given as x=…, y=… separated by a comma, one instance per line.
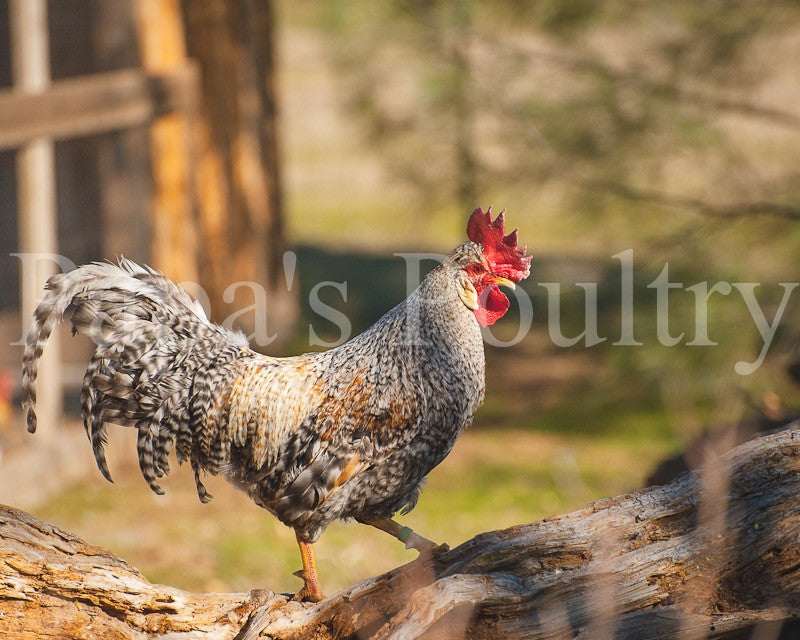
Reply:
x=93, y=419
x=202, y=493
x=157, y=366
x=104, y=299
x=145, y=446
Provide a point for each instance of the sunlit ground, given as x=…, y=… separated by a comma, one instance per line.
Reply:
x=493, y=479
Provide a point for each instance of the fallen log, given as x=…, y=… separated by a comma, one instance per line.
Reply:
x=714, y=554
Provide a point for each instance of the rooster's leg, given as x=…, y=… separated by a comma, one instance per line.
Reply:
x=406, y=535
x=311, y=590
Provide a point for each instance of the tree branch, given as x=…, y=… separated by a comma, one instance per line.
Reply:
x=728, y=212
x=711, y=555
x=664, y=90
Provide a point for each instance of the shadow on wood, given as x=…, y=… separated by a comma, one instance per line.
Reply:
x=715, y=554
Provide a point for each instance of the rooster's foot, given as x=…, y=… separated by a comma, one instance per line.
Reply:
x=422, y=545
x=407, y=536
x=310, y=592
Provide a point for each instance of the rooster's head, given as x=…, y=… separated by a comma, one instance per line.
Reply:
x=491, y=258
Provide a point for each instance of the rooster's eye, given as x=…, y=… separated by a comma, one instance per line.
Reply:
x=475, y=269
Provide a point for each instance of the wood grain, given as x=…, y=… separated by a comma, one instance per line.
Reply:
x=712, y=555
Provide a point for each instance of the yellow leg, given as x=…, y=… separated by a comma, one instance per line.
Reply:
x=406, y=535
x=311, y=590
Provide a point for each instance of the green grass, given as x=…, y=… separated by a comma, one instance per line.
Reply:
x=495, y=478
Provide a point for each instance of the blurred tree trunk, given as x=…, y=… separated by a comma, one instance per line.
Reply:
x=162, y=46
x=715, y=554
x=238, y=181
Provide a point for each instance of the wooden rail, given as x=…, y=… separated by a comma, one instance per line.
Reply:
x=95, y=104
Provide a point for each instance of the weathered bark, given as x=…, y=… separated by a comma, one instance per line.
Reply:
x=711, y=555
x=238, y=177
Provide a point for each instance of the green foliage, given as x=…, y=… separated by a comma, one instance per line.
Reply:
x=471, y=97
x=566, y=16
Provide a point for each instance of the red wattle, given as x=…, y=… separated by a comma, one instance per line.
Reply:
x=492, y=304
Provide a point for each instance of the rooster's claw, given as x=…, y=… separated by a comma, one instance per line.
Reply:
x=304, y=595
x=310, y=591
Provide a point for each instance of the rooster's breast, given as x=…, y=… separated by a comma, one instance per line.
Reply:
x=394, y=404
x=420, y=408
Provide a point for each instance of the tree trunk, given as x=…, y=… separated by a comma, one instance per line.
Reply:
x=712, y=555
x=162, y=46
x=238, y=181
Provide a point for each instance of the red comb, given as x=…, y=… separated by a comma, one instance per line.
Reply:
x=505, y=258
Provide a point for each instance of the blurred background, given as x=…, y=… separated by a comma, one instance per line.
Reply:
x=208, y=137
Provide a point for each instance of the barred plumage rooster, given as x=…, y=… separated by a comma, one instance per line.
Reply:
x=347, y=433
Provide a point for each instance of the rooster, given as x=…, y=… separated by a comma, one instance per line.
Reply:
x=346, y=433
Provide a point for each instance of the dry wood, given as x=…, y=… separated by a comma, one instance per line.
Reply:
x=712, y=555
x=94, y=104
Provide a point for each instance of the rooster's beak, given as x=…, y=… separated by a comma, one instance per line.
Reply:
x=503, y=281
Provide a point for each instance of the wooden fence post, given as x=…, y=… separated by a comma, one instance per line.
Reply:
x=163, y=51
x=36, y=185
